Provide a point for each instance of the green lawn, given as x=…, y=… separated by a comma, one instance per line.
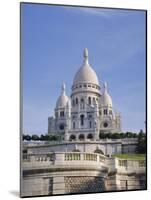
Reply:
x=131, y=156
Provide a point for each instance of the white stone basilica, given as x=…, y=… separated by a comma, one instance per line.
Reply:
x=89, y=110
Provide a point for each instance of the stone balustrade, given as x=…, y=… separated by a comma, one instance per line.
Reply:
x=130, y=165
x=83, y=159
x=38, y=157
x=70, y=156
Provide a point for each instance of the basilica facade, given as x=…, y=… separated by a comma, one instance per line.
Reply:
x=88, y=111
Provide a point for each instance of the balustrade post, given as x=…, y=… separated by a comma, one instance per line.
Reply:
x=82, y=157
x=98, y=158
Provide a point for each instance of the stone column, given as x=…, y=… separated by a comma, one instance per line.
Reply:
x=66, y=133
x=96, y=136
x=58, y=185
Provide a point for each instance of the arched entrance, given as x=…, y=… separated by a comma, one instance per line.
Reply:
x=72, y=137
x=99, y=151
x=81, y=137
x=90, y=136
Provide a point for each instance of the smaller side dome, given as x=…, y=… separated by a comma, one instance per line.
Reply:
x=63, y=99
x=105, y=99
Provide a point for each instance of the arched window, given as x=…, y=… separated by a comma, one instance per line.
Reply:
x=110, y=112
x=62, y=114
x=90, y=136
x=90, y=123
x=76, y=100
x=82, y=103
x=73, y=102
x=82, y=120
x=72, y=137
x=93, y=100
x=73, y=125
x=105, y=112
x=89, y=100
x=81, y=137
x=99, y=151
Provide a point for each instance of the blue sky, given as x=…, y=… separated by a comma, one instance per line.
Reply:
x=53, y=39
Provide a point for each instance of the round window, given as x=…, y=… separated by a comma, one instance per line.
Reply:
x=61, y=127
x=105, y=124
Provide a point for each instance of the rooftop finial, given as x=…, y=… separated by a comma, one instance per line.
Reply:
x=105, y=86
x=85, y=54
x=63, y=88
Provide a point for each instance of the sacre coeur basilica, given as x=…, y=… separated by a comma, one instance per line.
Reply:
x=88, y=112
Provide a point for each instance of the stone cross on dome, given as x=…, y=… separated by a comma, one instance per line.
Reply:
x=63, y=89
x=85, y=55
x=105, y=86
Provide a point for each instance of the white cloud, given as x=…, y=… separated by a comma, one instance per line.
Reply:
x=105, y=13
x=100, y=12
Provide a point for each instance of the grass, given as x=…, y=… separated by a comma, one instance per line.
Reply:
x=131, y=156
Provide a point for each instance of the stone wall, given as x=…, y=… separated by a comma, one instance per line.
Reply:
x=131, y=181
x=36, y=186
x=66, y=183
x=128, y=148
x=108, y=147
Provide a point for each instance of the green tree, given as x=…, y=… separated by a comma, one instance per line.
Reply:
x=115, y=136
x=141, y=145
x=47, y=137
x=134, y=135
x=42, y=138
x=27, y=137
x=35, y=137
x=102, y=135
x=54, y=138
x=108, y=135
x=122, y=135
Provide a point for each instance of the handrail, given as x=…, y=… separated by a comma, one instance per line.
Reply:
x=64, y=156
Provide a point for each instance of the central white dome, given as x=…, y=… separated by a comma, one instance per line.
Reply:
x=86, y=74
